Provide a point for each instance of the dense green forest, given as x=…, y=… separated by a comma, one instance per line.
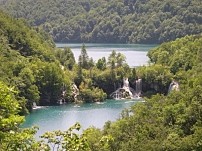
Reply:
x=39, y=72
x=163, y=122
x=110, y=21
x=28, y=63
x=33, y=70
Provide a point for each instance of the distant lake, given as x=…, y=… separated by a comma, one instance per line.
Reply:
x=136, y=54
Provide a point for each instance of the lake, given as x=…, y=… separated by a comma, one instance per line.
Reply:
x=87, y=114
x=136, y=54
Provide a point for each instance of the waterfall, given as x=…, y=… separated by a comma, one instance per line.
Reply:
x=75, y=92
x=174, y=85
x=125, y=92
x=138, y=90
x=125, y=83
x=35, y=106
x=126, y=87
x=63, y=94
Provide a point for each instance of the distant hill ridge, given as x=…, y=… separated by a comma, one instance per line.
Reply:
x=111, y=21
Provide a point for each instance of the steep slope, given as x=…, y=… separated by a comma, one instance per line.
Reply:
x=115, y=21
x=28, y=64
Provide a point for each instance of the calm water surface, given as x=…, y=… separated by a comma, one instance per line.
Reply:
x=87, y=114
x=136, y=54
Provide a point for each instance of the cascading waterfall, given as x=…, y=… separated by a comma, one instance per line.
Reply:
x=35, y=106
x=126, y=87
x=138, y=90
x=126, y=92
x=75, y=92
x=174, y=85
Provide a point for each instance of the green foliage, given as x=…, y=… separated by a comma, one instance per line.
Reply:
x=182, y=54
x=27, y=63
x=99, y=79
x=96, y=140
x=66, y=58
x=84, y=61
x=67, y=140
x=111, y=21
x=11, y=136
x=161, y=123
x=156, y=78
x=50, y=80
x=173, y=60
x=171, y=122
x=14, y=138
x=89, y=93
x=24, y=39
x=101, y=63
x=118, y=67
x=116, y=59
x=22, y=140
x=9, y=109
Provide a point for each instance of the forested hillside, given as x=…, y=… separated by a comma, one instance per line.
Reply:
x=32, y=69
x=164, y=122
x=41, y=73
x=111, y=21
x=28, y=63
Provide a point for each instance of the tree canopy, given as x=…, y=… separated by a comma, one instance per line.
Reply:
x=29, y=64
x=111, y=21
x=33, y=70
x=163, y=122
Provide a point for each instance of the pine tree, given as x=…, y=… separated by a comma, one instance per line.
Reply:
x=84, y=58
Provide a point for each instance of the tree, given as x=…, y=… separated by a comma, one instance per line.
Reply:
x=11, y=136
x=101, y=63
x=67, y=140
x=84, y=58
x=66, y=57
x=9, y=118
x=118, y=59
x=27, y=87
x=121, y=59
x=112, y=59
x=135, y=22
x=50, y=80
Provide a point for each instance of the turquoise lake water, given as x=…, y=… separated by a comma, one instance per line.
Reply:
x=87, y=114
